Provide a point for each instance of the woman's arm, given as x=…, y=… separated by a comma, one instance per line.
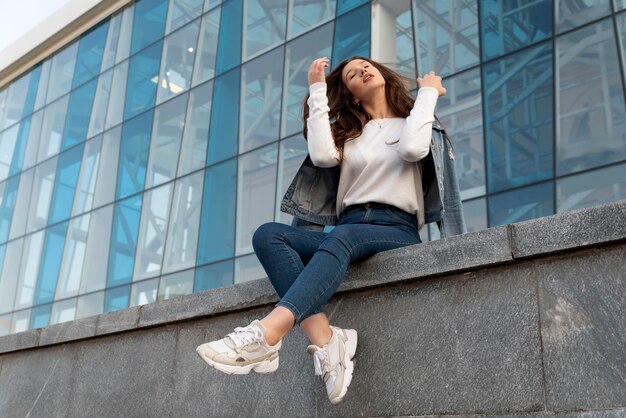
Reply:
x=320, y=140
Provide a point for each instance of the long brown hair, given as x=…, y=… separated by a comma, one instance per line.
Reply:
x=347, y=118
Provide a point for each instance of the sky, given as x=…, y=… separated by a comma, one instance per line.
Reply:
x=19, y=16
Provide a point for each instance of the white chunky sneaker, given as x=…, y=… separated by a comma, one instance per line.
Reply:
x=334, y=363
x=241, y=351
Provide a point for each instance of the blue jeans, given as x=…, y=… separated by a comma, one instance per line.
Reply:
x=307, y=267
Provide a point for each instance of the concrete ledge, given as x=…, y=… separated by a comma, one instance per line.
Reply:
x=507, y=244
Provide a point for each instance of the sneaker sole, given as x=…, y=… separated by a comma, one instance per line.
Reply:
x=348, y=355
x=265, y=366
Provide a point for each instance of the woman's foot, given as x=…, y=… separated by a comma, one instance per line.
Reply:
x=333, y=362
x=241, y=351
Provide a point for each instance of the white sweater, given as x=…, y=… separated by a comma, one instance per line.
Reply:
x=379, y=165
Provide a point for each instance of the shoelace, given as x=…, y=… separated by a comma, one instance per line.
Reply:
x=243, y=336
x=322, y=363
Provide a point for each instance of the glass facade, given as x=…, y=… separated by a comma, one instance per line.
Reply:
x=137, y=161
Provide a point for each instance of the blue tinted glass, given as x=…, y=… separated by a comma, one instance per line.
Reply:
x=90, y=51
x=352, y=35
x=217, y=225
x=124, y=241
x=213, y=276
x=224, y=118
x=116, y=299
x=133, y=160
x=518, y=118
x=17, y=159
x=143, y=77
x=50, y=264
x=40, y=316
x=78, y=114
x=31, y=96
x=65, y=184
x=509, y=25
x=148, y=23
x=7, y=206
x=345, y=5
x=521, y=204
x=229, y=46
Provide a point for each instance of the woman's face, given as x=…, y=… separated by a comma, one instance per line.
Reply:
x=361, y=78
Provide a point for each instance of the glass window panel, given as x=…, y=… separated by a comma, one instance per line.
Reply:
x=521, y=204
x=461, y=112
x=292, y=153
x=8, y=197
x=90, y=52
x=148, y=23
x=116, y=298
x=133, y=160
x=229, y=47
x=224, y=118
x=299, y=55
x=352, y=34
x=511, y=25
x=181, y=12
x=63, y=311
x=21, y=320
x=217, y=222
x=179, y=51
x=209, y=4
x=177, y=284
x=570, y=14
x=392, y=35
x=95, y=262
x=156, y=211
x=42, y=89
x=52, y=128
x=143, y=78
x=62, y=72
x=100, y=104
x=264, y=25
x=304, y=15
x=41, y=194
x=590, y=99
x=22, y=204
x=115, y=110
x=447, y=34
x=346, y=5
x=5, y=324
x=475, y=212
x=214, y=276
x=86, y=184
x=3, y=106
x=261, y=80
x=78, y=114
x=12, y=255
x=18, y=99
x=8, y=142
x=50, y=263
x=125, y=36
x=165, y=144
x=66, y=178
x=620, y=4
x=182, y=236
x=107, y=168
x=255, y=194
x=40, y=316
x=32, y=144
x=28, y=270
x=111, y=41
x=144, y=292
x=198, y=117
x=90, y=305
x=207, y=47
x=17, y=154
x=591, y=188
x=620, y=19
x=248, y=268
x=124, y=236
x=518, y=117
x=73, y=257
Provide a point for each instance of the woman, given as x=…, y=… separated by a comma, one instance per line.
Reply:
x=361, y=120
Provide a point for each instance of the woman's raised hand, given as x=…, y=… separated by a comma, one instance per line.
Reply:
x=316, y=70
x=431, y=80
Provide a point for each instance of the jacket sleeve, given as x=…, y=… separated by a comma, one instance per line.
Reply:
x=414, y=143
x=320, y=140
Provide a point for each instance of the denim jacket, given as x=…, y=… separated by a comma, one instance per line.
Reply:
x=312, y=195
